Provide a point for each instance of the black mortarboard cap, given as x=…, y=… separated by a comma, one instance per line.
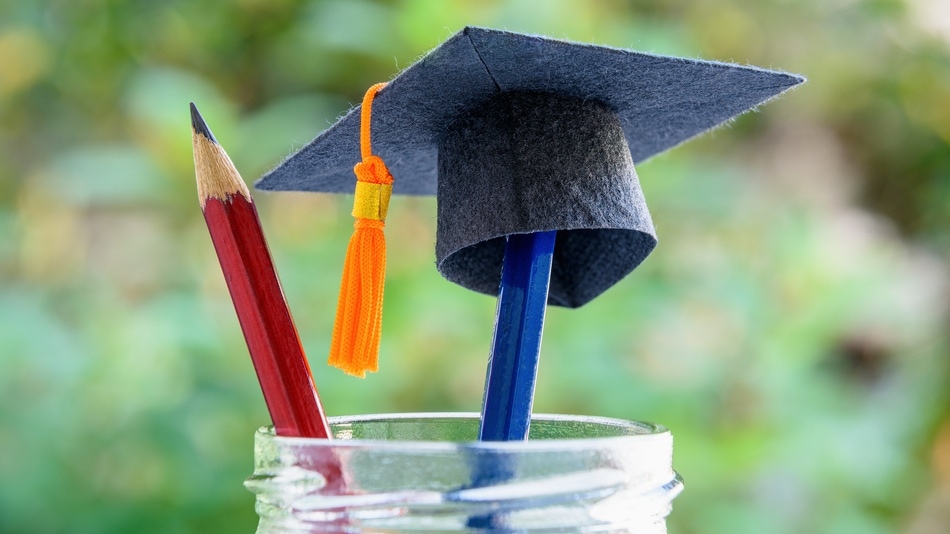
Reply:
x=518, y=133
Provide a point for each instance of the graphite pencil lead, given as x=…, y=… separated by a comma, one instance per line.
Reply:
x=215, y=173
x=199, y=126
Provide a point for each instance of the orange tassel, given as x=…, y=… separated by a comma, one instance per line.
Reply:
x=359, y=313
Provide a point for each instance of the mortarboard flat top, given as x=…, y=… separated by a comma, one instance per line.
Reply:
x=659, y=102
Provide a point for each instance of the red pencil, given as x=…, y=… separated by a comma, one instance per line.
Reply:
x=269, y=330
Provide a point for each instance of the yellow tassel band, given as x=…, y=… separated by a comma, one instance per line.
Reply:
x=372, y=201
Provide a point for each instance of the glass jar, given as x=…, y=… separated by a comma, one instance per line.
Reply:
x=426, y=473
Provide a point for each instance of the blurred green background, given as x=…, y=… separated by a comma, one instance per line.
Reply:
x=791, y=327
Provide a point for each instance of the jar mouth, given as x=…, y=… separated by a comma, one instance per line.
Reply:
x=425, y=472
x=416, y=430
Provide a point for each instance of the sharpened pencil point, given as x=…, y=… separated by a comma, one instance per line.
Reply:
x=216, y=175
x=198, y=124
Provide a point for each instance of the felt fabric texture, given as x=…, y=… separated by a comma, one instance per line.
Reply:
x=654, y=103
x=545, y=162
x=661, y=101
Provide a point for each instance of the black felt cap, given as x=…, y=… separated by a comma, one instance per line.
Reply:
x=518, y=133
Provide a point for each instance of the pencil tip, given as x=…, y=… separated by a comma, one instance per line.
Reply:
x=198, y=124
x=214, y=171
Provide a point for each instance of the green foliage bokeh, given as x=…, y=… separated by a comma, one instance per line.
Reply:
x=791, y=327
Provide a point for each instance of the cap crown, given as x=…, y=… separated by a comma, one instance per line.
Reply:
x=518, y=133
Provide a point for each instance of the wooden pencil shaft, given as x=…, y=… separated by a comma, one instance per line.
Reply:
x=279, y=360
x=272, y=340
x=516, y=346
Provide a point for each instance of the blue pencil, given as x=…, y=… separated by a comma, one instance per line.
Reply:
x=513, y=363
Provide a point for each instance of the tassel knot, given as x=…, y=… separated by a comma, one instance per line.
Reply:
x=373, y=170
x=356, y=331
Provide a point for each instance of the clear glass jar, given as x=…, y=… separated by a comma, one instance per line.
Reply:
x=426, y=473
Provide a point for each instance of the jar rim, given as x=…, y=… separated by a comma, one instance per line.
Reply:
x=635, y=430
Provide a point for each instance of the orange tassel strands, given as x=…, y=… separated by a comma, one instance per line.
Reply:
x=359, y=313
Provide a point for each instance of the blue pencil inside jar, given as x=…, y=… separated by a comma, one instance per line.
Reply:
x=427, y=472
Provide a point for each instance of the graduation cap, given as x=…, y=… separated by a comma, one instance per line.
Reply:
x=520, y=134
